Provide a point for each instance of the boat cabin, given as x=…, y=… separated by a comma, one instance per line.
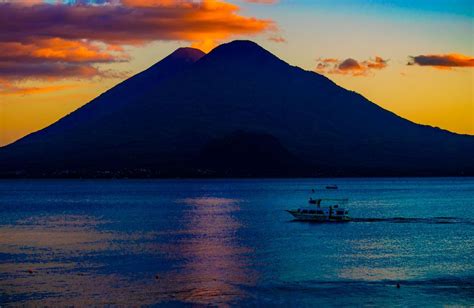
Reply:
x=331, y=212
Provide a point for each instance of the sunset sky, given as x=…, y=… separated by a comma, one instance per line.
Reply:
x=415, y=58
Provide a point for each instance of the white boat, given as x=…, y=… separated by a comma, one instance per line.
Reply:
x=334, y=211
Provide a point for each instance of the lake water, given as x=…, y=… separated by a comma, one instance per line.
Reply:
x=230, y=242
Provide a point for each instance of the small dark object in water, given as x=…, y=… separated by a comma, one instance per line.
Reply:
x=398, y=286
x=331, y=187
x=157, y=277
x=30, y=271
x=312, y=190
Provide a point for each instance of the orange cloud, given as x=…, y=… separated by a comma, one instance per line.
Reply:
x=277, y=39
x=41, y=40
x=131, y=22
x=7, y=88
x=446, y=61
x=378, y=63
x=329, y=60
x=56, y=49
x=350, y=66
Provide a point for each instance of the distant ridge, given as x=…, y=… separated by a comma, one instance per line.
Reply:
x=197, y=115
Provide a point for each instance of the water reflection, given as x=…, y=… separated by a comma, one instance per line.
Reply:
x=144, y=243
x=369, y=260
x=42, y=261
x=58, y=234
x=74, y=259
x=212, y=268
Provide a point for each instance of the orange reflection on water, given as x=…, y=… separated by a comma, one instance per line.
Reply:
x=214, y=267
x=70, y=260
x=55, y=233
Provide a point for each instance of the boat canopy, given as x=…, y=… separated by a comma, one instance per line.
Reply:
x=323, y=200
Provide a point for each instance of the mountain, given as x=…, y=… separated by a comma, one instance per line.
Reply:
x=237, y=111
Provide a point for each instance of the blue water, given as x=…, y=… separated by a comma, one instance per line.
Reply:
x=230, y=242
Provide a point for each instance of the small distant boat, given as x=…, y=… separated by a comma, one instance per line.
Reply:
x=331, y=187
x=331, y=213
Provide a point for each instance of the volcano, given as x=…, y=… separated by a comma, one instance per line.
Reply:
x=238, y=111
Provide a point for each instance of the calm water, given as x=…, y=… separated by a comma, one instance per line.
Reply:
x=229, y=242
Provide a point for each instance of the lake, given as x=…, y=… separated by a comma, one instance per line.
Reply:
x=230, y=242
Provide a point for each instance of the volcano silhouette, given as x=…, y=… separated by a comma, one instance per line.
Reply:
x=237, y=111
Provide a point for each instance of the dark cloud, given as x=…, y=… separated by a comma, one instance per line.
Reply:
x=445, y=61
x=128, y=23
x=349, y=65
x=52, y=71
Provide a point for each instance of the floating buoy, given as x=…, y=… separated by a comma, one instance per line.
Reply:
x=30, y=271
x=398, y=286
x=157, y=277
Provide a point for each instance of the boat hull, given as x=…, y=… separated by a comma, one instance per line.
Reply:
x=317, y=218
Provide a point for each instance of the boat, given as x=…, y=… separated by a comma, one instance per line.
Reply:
x=331, y=187
x=333, y=212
